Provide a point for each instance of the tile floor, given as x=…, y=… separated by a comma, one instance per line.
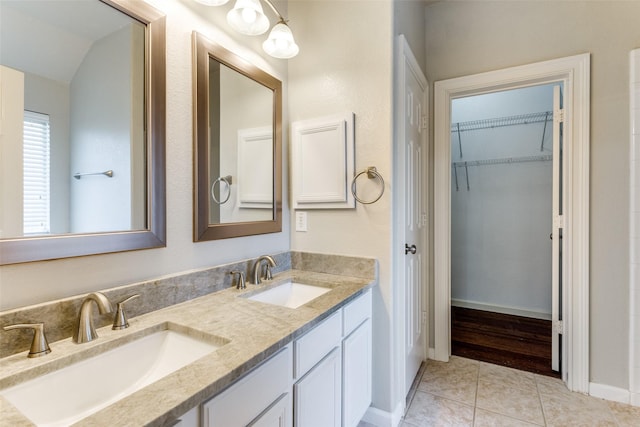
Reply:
x=466, y=392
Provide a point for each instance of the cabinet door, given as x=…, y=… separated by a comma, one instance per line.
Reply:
x=317, y=396
x=190, y=419
x=356, y=359
x=251, y=395
x=317, y=343
x=277, y=415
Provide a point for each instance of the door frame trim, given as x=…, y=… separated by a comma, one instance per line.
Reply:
x=405, y=59
x=574, y=71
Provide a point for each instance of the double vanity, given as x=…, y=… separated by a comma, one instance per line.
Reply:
x=208, y=347
x=294, y=350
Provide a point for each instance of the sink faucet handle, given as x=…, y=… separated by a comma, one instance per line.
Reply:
x=39, y=345
x=242, y=284
x=267, y=272
x=120, y=320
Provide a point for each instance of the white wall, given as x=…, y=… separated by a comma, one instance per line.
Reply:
x=409, y=20
x=466, y=37
x=345, y=65
x=101, y=137
x=500, y=247
x=50, y=97
x=24, y=284
x=247, y=105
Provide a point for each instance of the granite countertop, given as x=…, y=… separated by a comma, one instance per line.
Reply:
x=254, y=332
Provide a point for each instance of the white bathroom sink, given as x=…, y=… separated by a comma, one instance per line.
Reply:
x=289, y=294
x=72, y=393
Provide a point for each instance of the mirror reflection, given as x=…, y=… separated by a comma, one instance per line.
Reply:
x=237, y=145
x=241, y=141
x=73, y=135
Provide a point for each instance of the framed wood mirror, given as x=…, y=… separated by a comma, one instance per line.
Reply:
x=104, y=191
x=237, y=145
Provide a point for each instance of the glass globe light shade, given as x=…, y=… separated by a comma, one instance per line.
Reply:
x=247, y=17
x=280, y=43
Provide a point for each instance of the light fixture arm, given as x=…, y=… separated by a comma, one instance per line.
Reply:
x=271, y=5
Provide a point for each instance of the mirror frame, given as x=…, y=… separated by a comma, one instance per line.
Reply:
x=203, y=50
x=39, y=248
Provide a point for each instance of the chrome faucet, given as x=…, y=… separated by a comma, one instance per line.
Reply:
x=257, y=266
x=85, y=331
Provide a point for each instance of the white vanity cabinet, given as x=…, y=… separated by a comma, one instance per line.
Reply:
x=317, y=393
x=356, y=360
x=277, y=415
x=260, y=398
x=322, y=379
x=333, y=368
x=189, y=419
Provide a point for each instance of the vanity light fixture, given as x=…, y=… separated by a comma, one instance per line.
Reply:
x=247, y=17
x=213, y=2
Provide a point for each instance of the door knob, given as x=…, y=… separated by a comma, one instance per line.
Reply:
x=408, y=249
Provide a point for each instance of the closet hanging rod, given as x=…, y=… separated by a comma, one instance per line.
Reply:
x=521, y=119
x=542, y=158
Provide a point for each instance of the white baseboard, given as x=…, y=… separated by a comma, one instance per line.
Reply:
x=381, y=418
x=608, y=392
x=635, y=399
x=431, y=353
x=516, y=311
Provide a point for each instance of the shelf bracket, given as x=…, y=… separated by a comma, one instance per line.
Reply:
x=459, y=140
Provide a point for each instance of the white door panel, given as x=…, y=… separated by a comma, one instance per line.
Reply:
x=414, y=246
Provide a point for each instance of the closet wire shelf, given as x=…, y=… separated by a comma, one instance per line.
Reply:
x=521, y=119
x=524, y=159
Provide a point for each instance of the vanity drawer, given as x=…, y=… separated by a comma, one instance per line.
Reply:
x=317, y=343
x=356, y=312
x=252, y=394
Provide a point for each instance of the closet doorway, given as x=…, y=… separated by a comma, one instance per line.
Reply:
x=503, y=296
x=573, y=267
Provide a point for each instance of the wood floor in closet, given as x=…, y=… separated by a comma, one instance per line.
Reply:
x=514, y=341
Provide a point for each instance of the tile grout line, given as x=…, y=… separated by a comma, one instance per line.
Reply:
x=475, y=399
x=492, y=379
x=544, y=415
x=615, y=418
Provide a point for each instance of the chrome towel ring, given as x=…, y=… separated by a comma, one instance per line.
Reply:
x=221, y=179
x=372, y=173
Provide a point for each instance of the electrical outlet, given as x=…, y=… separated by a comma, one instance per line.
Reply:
x=301, y=221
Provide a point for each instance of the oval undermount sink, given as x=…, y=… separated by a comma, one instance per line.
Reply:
x=74, y=392
x=289, y=294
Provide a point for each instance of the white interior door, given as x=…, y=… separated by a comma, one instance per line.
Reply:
x=556, y=234
x=414, y=123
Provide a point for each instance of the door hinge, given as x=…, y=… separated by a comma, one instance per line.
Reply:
x=424, y=219
x=558, y=115
x=424, y=317
x=424, y=122
x=558, y=221
x=558, y=327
